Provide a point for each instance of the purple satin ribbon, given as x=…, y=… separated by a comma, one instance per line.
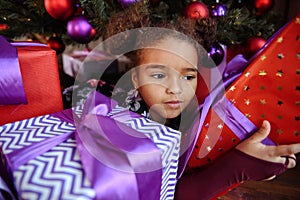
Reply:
x=25, y=44
x=119, y=165
x=11, y=84
x=120, y=162
x=233, y=70
x=131, y=162
x=21, y=156
x=240, y=125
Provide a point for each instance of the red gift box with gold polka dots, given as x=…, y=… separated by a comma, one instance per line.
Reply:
x=268, y=89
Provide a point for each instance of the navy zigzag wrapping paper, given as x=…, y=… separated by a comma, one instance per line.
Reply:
x=59, y=174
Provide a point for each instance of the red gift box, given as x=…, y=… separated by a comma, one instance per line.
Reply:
x=39, y=70
x=268, y=89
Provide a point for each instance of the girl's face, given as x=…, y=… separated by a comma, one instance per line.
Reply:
x=166, y=77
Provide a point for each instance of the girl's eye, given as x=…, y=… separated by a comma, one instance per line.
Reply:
x=158, y=76
x=189, y=77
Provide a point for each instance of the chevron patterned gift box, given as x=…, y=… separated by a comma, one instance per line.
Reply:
x=53, y=175
x=58, y=173
x=268, y=88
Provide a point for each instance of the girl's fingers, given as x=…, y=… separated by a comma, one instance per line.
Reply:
x=286, y=150
x=292, y=161
x=280, y=154
x=262, y=133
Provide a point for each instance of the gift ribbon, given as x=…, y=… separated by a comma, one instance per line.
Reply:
x=232, y=71
x=22, y=156
x=240, y=125
x=11, y=84
x=131, y=161
x=25, y=44
x=130, y=169
x=120, y=162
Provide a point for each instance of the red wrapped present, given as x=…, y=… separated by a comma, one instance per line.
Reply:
x=268, y=89
x=39, y=71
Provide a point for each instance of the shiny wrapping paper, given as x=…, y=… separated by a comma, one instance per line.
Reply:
x=40, y=78
x=267, y=89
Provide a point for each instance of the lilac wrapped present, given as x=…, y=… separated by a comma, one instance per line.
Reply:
x=99, y=152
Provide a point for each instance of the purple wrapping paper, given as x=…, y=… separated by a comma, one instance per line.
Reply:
x=11, y=84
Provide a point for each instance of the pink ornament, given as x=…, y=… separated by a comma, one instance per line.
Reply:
x=196, y=10
x=80, y=30
x=60, y=9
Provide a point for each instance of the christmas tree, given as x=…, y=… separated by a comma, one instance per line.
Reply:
x=53, y=21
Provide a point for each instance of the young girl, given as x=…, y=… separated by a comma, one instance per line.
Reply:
x=166, y=78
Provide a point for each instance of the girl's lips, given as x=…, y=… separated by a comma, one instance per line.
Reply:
x=174, y=104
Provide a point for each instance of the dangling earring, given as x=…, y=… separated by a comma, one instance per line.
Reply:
x=132, y=100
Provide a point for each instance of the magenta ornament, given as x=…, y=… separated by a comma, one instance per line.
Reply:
x=216, y=52
x=80, y=30
x=218, y=10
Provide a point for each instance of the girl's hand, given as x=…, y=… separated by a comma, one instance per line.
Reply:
x=278, y=154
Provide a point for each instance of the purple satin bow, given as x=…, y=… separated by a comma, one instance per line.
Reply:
x=121, y=163
x=11, y=84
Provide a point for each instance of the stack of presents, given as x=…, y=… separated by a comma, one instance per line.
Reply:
x=83, y=153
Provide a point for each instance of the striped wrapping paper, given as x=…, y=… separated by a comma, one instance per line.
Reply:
x=58, y=173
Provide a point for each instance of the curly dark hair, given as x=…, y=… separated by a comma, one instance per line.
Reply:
x=138, y=15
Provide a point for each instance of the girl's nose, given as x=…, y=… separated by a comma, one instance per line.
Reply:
x=174, y=87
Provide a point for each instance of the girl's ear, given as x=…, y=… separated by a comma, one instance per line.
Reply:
x=134, y=78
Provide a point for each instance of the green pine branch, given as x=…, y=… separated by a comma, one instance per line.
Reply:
x=30, y=17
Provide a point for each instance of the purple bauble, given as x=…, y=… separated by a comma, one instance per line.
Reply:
x=216, y=52
x=127, y=2
x=218, y=10
x=80, y=30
